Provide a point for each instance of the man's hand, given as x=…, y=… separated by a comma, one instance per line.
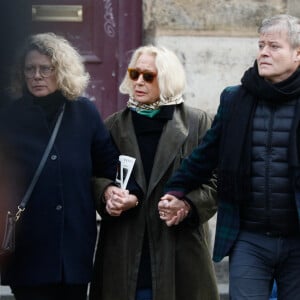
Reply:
x=173, y=210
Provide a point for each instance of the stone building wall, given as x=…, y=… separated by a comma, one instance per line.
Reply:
x=216, y=40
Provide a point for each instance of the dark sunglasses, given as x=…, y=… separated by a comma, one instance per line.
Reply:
x=134, y=74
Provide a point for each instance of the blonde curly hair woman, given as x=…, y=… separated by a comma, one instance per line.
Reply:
x=57, y=232
x=68, y=67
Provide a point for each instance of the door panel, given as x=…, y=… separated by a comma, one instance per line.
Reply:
x=104, y=32
x=14, y=27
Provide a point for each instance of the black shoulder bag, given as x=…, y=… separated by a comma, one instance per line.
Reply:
x=8, y=220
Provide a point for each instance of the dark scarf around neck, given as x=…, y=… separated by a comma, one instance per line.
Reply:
x=235, y=164
x=50, y=104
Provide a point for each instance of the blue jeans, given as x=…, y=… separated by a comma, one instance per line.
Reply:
x=273, y=295
x=256, y=260
x=144, y=294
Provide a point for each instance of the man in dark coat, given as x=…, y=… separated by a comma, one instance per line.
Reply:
x=254, y=144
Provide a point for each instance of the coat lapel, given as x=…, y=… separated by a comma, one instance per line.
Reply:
x=171, y=141
x=125, y=139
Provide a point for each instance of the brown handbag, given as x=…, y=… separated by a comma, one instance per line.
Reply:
x=7, y=232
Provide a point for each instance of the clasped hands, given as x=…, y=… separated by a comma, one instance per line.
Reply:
x=173, y=210
x=118, y=200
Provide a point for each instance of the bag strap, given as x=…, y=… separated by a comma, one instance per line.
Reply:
x=41, y=165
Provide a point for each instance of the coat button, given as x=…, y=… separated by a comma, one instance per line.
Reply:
x=53, y=157
x=58, y=207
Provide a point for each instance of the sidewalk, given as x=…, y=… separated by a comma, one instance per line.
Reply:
x=221, y=269
x=5, y=293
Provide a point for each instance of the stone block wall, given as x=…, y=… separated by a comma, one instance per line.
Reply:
x=216, y=40
x=228, y=16
x=211, y=63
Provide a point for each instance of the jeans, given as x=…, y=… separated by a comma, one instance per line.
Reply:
x=257, y=259
x=273, y=295
x=143, y=294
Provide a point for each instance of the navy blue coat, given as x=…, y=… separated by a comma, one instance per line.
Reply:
x=57, y=231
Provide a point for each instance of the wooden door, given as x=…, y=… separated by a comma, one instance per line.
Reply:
x=104, y=31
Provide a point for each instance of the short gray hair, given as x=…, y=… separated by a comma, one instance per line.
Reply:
x=283, y=22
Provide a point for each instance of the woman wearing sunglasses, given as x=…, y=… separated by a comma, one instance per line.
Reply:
x=143, y=254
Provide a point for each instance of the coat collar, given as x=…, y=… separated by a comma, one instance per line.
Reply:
x=173, y=136
x=171, y=141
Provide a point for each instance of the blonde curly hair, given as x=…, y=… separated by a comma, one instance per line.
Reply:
x=71, y=76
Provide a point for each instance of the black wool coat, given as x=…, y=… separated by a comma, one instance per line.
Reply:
x=57, y=231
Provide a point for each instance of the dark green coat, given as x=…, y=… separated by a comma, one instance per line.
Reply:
x=180, y=259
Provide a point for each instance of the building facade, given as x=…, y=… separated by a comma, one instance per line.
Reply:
x=215, y=39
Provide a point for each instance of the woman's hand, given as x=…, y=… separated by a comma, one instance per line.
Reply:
x=173, y=210
x=118, y=200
